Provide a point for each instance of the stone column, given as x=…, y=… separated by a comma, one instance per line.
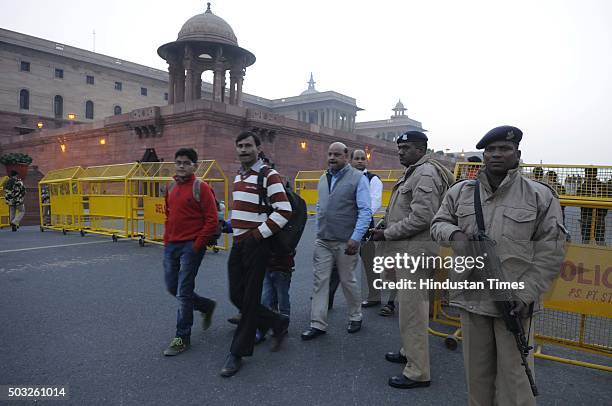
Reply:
x=239, y=82
x=189, y=81
x=189, y=84
x=179, y=85
x=235, y=76
x=171, y=79
x=232, y=95
x=218, y=81
x=197, y=84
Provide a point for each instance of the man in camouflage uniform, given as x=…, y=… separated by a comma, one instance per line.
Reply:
x=524, y=217
x=14, y=194
x=414, y=200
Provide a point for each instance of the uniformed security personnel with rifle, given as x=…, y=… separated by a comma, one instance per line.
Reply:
x=414, y=200
x=520, y=220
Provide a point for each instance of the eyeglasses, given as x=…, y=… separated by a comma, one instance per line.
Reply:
x=182, y=163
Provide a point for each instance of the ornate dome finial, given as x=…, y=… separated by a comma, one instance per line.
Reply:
x=208, y=8
x=311, y=83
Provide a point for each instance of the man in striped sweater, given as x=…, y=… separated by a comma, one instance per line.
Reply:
x=253, y=224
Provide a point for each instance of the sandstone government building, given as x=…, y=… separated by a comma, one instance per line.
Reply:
x=66, y=106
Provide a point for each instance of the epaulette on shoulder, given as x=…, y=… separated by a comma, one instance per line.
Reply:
x=554, y=192
x=461, y=180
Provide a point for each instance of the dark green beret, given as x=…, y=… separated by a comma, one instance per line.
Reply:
x=503, y=133
x=412, y=136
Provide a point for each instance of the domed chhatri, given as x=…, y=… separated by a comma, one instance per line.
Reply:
x=399, y=109
x=208, y=27
x=205, y=42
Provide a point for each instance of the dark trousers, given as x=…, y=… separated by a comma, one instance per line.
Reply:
x=181, y=266
x=246, y=269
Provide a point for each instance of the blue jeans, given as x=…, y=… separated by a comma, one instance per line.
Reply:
x=181, y=266
x=275, y=295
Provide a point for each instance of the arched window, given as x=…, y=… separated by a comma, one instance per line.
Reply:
x=24, y=99
x=58, y=106
x=89, y=109
x=117, y=110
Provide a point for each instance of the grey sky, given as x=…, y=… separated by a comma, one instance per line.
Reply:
x=460, y=67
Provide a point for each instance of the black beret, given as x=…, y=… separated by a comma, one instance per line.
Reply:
x=474, y=158
x=503, y=133
x=412, y=136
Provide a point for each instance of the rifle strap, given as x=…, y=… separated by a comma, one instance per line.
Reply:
x=478, y=208
x=530, y=320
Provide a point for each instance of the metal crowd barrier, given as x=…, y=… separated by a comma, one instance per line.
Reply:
x=4, y=209
x=578, y=307
x=123, y=200
x=305, y=184
x=60, y=197
x=151, y=179
x=109, y=203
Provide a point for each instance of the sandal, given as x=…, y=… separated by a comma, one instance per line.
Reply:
x=387, y=310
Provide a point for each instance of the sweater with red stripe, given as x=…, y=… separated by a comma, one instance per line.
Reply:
x=246, y=209
x=188, y=220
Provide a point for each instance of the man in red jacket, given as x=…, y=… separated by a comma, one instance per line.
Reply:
x=191, y=221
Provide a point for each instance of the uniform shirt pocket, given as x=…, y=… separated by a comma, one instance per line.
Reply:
x=466, y=217
x=519, y=223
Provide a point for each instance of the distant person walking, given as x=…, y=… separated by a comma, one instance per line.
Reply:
x=14, y=194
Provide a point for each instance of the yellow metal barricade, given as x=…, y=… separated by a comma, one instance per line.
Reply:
x=578, y=307
x=60, y=198
x=151, y=179
x=305, y=185
x=4, y=210
x=110, y=205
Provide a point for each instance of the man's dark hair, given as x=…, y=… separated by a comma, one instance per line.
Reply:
x=188, y=152
x=246, y=134
x=353, y=153
x=14, y=173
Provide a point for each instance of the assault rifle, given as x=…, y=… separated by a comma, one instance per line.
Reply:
x=504, y=298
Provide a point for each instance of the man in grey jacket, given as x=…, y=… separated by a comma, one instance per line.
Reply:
x=524, y=217
x=343, y=216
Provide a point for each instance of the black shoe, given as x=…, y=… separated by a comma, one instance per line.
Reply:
x=231, y=366
x=401, y=382
x=312, y=333
x=387, y=310
x=235, y=319
x=207, y=316
x=13, y=227
x=370, y=303
x=396, y=357
x=280, y=333
x=353, y=326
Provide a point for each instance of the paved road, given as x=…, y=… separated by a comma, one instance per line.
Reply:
x=96, y=316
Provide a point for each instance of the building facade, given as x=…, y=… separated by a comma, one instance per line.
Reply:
x=391, y=128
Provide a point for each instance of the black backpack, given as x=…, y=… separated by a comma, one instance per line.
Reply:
x=286, y=240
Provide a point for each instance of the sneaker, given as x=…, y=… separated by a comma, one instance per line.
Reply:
x=177, y=346
x=207, y=317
